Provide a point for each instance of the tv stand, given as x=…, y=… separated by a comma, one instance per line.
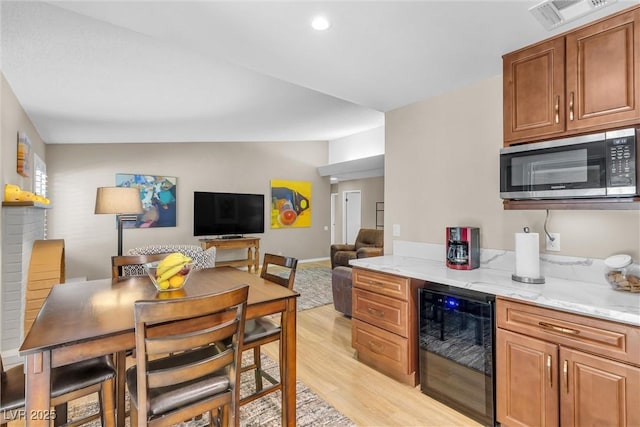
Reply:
x=252, y=244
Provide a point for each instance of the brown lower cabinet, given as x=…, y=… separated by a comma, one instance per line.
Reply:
x=555, y=368
x=384, y=324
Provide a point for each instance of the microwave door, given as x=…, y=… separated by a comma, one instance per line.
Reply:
x=568, y=171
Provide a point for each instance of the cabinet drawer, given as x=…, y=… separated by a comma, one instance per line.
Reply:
x=383, y=350
x=380, y=283
x=610, y=339
x=381, y=311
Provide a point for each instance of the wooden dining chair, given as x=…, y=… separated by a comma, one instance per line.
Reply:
x=258, y=332
x=131, y=265
x=68, y=383
x=183, y=369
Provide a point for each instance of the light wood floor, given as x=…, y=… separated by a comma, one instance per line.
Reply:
x=326, y=364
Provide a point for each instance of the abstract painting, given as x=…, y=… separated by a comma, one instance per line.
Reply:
x=290, y=204
x=24, y=153
x=158, y=196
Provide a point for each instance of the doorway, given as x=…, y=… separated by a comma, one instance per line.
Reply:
x=334, y=205
x=352, y=215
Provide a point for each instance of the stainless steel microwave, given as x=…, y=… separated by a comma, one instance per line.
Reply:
x=604, y=164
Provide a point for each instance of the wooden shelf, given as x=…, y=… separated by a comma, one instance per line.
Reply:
x=626, y=203
x=26, y=203
x=252, y=244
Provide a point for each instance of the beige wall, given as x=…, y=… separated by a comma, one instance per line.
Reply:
x=441, y=167
x=13, y=119
x=75, y=171
x=371, y=191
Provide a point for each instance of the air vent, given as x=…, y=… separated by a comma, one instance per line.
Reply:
x=554, y=13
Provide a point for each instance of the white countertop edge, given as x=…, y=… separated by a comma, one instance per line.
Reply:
x=590, y=299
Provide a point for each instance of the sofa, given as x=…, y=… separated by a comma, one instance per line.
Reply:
x=369, y=242
x=202, y=258
x=341, y=288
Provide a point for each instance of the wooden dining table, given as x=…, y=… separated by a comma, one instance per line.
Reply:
x=82, y=320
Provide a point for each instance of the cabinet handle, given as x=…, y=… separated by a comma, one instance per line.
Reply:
x=560, y=329
x=374, y=283
x=571, y=107
x=375, y=347
x=375, y=312
x=549, y=371
x=557, y=109
x=565, y=371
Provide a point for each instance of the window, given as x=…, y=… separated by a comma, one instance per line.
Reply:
x=40, y=183
x=39, y=176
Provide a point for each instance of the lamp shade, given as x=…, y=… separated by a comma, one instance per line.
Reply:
x=118, y=200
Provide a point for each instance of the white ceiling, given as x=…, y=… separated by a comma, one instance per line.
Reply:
x=172, y=71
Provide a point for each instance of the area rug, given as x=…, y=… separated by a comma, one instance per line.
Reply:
x=311, y=410
x=314, y=286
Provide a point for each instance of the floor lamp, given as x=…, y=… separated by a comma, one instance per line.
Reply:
x=124, y=202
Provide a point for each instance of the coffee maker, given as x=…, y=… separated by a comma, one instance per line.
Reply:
x=463, y=248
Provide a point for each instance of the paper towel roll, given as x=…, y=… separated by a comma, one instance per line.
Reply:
x=527, y=255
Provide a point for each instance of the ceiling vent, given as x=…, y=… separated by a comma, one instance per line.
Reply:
x=554, y=13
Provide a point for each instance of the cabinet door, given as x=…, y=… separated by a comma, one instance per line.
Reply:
x=533, y=92
x=526, y=380
x=602, y=61
x=597, y=391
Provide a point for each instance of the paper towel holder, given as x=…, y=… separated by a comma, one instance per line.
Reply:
x=535, y=280
x=532, y=280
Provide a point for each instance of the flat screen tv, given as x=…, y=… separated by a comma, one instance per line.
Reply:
x=227, y=214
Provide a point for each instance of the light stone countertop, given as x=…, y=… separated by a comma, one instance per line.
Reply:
x=591, y=299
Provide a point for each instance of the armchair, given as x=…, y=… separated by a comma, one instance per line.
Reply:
x=369, y=242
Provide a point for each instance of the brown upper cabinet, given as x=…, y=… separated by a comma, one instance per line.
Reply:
x=581, y=81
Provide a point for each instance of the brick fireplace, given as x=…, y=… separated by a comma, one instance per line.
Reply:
x=21, y=226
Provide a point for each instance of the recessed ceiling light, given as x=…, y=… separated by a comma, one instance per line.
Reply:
x=320, y=23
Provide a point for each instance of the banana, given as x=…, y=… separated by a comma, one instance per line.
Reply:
x=170, y=261
x=170, y=272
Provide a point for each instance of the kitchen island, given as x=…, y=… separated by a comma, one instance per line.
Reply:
x=559, y=346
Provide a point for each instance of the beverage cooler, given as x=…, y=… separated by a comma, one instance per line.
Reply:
x=456, y=345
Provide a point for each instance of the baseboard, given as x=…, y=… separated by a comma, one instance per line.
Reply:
x=302, y=261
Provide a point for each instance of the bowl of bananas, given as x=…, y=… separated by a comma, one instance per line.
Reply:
x=171, y=273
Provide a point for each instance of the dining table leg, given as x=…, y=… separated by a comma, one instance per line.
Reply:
x=38, y=397
x=288, y=340
x=121, y=366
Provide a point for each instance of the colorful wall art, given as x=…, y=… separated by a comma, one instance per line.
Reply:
x=158, y=195
x=24, y=154
x=290, y=204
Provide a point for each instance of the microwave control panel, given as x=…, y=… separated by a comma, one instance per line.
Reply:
x=621, y=159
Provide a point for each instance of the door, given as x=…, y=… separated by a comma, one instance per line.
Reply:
x=334, y=206
x=597, y=391
x=602, y=73
x=352, y=214
x=533, y=80
x=526, y=380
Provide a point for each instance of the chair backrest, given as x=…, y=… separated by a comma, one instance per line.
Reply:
x=369, y=237
x=131, y=265
x=286, y=266
x=204, y=331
